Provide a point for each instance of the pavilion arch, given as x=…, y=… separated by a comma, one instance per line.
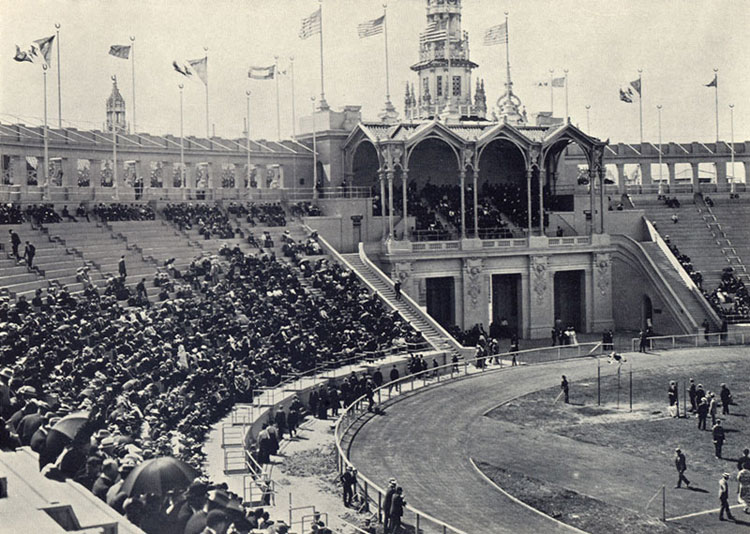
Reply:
x=435, y=159
x=502, y=160
x=365, y=164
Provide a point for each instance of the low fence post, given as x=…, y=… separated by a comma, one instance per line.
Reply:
x=417, y=532
x=380, y=505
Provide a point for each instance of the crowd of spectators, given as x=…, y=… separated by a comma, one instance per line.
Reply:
x=305, y=209
x=731, y=299
x=11, y=214
x=263, y=214
x=685, y=262
x=124, y=212
x=210, y=221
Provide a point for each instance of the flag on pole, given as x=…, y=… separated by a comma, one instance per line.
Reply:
x=636, y=84
x=310, y=25
x=558, y=82
x=371, y=27
x=261, y=73
x=121, y=51
x=431, y=33
x=200, y=67
x=182, y=68
x=626, y=95
x=36, y=51
x=714, y=82
x=496, y=35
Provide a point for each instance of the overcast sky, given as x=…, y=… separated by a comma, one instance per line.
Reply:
x=677, y=43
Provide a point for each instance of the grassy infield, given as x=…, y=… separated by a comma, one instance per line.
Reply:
x=646, y=432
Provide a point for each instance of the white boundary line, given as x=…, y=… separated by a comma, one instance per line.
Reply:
x=517, y=501
x=704, y=512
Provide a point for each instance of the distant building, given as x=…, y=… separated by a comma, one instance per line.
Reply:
x=116, y=119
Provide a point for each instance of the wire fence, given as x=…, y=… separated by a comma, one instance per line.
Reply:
x=716, y=339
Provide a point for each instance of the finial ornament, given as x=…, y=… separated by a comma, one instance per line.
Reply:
x=57, y=25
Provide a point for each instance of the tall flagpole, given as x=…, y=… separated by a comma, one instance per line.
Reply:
x=182, y=145
x=323, y=103
x=640, y=102
x=59, y=90
x=294, y=113
x=247, y=137
x=46, y=147
x=208, y=133
x=661, y=170
x=507, y=50
x=731, y=133
x=132, y=52
x=278, y=106
x=567, y=115
x=385, y=40
x=315, y=151
x=588, y=119
x=114, y=152
x=551, y=93
x=716, y=94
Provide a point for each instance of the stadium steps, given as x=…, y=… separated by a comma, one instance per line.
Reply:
x=692, y=237
x=687, y=298
x=734, y=233
x=439, y=340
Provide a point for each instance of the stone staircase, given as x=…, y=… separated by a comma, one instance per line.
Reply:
x=730, y=223
x=432, y=332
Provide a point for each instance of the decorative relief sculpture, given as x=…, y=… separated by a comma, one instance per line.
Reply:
x=474, y=268
x=602, y=266
x=540, y=275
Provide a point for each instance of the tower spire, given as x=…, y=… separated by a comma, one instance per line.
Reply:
x=509, y=104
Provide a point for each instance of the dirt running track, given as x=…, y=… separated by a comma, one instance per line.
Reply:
x=425, y=440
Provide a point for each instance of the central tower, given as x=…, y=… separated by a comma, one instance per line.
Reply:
x=444, y=69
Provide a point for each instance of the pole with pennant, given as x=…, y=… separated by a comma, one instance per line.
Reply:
x=46, y=141
x=323, y=103
x=132, y=64
x=640, y=102
x=588, y=119
x=182, y=144
x=716, y=98
x=278, y=105
x=59, y=89
x=247, y=137
x=208, y=133
x=114, y=152
x=731, y=133
x=551, y=93
x=387, y=70
x=661, y=170
x=507, y=51
x=567, y=115
x=315, y=151
x=294, y=117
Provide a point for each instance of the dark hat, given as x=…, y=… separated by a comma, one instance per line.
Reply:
x=215, y=517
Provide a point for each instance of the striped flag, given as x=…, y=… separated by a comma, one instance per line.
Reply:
x=121, y=51
x=261, y=73
x=431, y=33
x=558, y=82
x=371, y=27
x=310, y=25
x=496, y=34
x=626, y=95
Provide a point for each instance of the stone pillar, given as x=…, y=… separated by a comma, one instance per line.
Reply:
x=167, y=174
x=671, y=170
x=746, y=164
x=721, y=172
x=541, y=298
x=209, y=176
x=476, y=203
x=381, y=178
x=592, y=203
x=541, y=204
x=462, y=177
x=70, y=172
x=529, y=176
x=696, y=177
x=389, y=177
x=95, y=176
x=646, y=173
x=18, y=170
x=191, y=178
x=602, y=210
x=475, y=293
x=404, y=200
x=599, y=317
x=621, y=179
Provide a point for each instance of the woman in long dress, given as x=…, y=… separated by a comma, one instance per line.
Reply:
x=743, y=489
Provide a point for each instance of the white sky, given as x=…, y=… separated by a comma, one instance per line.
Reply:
x=677, y=43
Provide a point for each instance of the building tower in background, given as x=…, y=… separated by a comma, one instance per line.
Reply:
x=116, y=119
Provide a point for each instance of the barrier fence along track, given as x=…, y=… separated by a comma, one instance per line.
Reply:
x=372, y=493
x=717, y=339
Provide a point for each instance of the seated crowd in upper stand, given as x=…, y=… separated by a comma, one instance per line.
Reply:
x=305, y=209
x=497, y=203
x=155, y=379
x=262, y=214
x=124, y=212
x=211, y=221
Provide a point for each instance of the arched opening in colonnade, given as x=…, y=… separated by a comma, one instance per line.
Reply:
x=365, y=165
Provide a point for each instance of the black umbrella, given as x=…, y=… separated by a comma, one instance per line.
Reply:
x=61, y=435
x=159, y=475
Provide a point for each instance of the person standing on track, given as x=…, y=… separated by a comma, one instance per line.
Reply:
x=702, y=413
x=387, y=502
x=724, y=497
x=564, y=386
x=397, y=510
x=680, y=462
x=718, y=435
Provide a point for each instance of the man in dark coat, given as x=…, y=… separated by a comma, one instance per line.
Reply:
x=15, y=242
x=394, y=376
x=564, y=386
x=702, y=414
x=121, y=267
x=718, y=436
x=387, y=502
x=726, y=399
x=692, y=394
x=377, y=378
x=292, y=420
x=680, y=463
x=281, y=422
x=397, y=510
x=348, y=482
x=29, y=253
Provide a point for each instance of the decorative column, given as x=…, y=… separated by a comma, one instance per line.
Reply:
x=18, y=171
x=389, y=176
x=541, y=205
x=671, y=172
x=462, y=175
x=529, y=176
x=405, y=201
x=646, y=173
x=746, y=165
x=381, y=177
x=95, y=177
x=621, y=178
x=600, y=316
x=721, y=172
x=474, y=293
x=696, y=176
x=476, y=203
x=541, y=301
x=70, y=172
x=592, y=196
x=602, y=209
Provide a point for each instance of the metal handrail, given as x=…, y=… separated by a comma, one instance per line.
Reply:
x=694, y=340
x=448, y=369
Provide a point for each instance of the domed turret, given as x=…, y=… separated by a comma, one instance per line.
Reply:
x=116, y=110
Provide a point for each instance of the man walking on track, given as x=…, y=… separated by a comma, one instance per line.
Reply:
x=565, y=389
x=724, y=498
x=680, y=462
x=718, y=434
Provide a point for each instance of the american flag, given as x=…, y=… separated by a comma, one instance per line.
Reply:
x=431, y=33
x=371, y=27
x=310, y=25
x=496, y=35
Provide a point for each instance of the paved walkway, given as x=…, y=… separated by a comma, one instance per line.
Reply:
x=426, y=441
